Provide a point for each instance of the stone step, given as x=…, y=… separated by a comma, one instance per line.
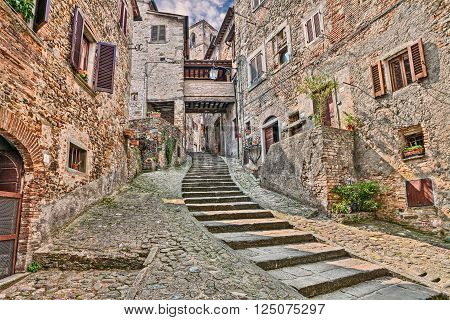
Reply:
x=208, y=184
x=207, y=176
x=208, y=172
x=200, y=180
x=243, y=225
x=242, y=240
x=209, y=167
x=204, y=200
x=232, y=215
x=274, y=257
x=385, y=288
x=231, y=206
x=323, y=277
x=210, y=188
x=212, y=194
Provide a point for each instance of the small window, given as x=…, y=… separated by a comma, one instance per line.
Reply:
x=193, y=40
x=419, y=193
x=134, y=96
x=313, y=27
x=256, y=68
x=77, y=158
x=123, y=20
x=158, y=33
x=248, y=128
x=257, y=3
x=400, y=70
x=414, y=142
x=280, y=48
x=294, y=117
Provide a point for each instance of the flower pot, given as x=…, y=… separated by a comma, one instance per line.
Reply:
x=155, y=115
x=412, y=153
x=75, y=167
x=134, y=143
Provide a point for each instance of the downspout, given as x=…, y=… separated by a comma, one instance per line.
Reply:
x=237, y=117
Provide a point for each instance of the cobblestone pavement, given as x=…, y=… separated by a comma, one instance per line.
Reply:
x=143, y=217
x=266, y=198
x=407, y=256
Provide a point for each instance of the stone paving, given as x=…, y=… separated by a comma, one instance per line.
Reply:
x=411, y=257
x=144, y=217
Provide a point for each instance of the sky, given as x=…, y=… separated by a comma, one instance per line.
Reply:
x=212, y=11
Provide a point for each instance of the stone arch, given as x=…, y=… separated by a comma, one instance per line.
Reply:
x=21, y=135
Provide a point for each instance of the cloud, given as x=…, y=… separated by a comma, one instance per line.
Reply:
x=212, y=11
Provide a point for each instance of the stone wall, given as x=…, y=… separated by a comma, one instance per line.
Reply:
x=357, y=34
x=308, y=165
x=203, y=34
x=45, y=105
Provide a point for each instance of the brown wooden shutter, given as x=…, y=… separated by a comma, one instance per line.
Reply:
x=317, y=24
x=106, y=60
x=419, y=193
x=125, y=22
x=122, y=12
x=417, y=61
x=41, y=14
x=309, y=31
x=377, y=73
x=154, y=35
x=162, y=33
x=77, y=36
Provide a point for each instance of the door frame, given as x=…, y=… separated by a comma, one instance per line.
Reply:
x=271, y=123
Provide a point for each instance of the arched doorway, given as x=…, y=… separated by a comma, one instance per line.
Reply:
x=11, y=172
x=271, y=132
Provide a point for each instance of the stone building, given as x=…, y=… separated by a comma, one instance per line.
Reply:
x=64, y=89
x=201, y=35
x=392, y=75
x=157, y=75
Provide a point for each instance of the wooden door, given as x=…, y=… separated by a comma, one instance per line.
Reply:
x=328, y=112
x=10, y=203
x=268, y=138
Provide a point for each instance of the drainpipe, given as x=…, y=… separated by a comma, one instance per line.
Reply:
x=237, y=118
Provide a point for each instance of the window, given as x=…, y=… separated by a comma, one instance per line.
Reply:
x=313, y=27
x=406, y=67
x=400, y=70
x=87, y=56
x=280, y=48
x=257, y=3
x=134, y=96
x=193, y=40
x=158, y=33
x=271, y=132
x=414, y=142
x=248, y=128
x=77, y=158
x=123, y=20
x=40, y=12
x=419, y=193
x=256, y=68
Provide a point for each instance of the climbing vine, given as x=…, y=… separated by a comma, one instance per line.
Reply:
x=318, y=88
x=171, y=144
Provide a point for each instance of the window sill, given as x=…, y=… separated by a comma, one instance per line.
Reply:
x=316, y=40
x=421, y=156
x=76, y=172
x=158, y=42
x=84, y=85
x=275, y=71
x=432, y=207
x=257, y=83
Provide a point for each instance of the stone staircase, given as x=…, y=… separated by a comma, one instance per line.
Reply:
x=298, y=259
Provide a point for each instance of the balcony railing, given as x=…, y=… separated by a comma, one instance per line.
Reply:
x=199, y=70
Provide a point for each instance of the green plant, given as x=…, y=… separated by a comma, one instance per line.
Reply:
x=171, y=144
x=318, y=88
x=412, y=148
x=358, y=197
x=33, y=267
x=351, y=121
x=25, y=7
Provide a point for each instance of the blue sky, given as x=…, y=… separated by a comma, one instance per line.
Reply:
x=212, y=11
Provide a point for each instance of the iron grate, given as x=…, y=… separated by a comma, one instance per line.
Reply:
x=8, y=215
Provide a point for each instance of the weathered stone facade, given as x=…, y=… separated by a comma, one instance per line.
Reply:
x=46, y=106
x=201, y=35
x=352, y=37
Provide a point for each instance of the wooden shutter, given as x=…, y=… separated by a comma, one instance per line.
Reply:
x=317, y=24
x=419, y=193
x=154, y=35
x=268, y=135
x=77, y=37
x=122, y=12
x=309, y=31
x=417, y=61
x=162, y=33
x=106, y=60
x=125, y=22
x=259, y=66
x=377, y=73
x=41, y=14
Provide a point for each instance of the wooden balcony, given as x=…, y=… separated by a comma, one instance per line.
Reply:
x=199, y=70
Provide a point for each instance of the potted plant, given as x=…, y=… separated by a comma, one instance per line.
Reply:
x=413, y=151
x=23, y=7
x=154, y=114
x=83, y=75
x=76, y=166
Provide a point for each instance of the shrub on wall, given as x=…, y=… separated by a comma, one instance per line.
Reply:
x=357, y=197
x=171, y=144
x=25, y=7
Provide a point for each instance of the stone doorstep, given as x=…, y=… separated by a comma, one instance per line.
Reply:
x=210, y=189
x=232, y=215
x=207, y=176
x=11, y=280
x=201, y=180
x=88, y=260
x=275, y=257
x=384, y=288
x=242, y=240
x=246, y=225
x=193, y=195
x=328, y=276
x=205, y=200
x=208, y=184
x=223, y=206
